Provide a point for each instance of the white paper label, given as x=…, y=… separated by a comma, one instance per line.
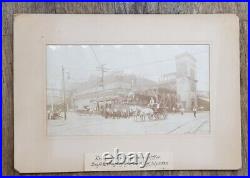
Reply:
x=128, y=161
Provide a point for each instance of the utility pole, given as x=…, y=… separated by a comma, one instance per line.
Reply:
x=102, y=69
x=64, y=99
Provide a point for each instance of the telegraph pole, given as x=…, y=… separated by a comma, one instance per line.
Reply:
x=64, y=98
x=102, y=69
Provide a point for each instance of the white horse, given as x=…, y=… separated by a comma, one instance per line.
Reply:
x=146, y=113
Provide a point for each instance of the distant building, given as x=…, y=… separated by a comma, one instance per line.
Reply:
x=116, y=85
x=168, y=81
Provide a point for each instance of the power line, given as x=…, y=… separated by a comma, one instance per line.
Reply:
x=158, y=61
x=148, y=63
x=95, y=56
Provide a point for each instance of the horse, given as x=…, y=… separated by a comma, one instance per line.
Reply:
x=146, y=113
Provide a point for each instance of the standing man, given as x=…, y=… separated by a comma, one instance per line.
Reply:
x=182, y=110
x=195, y=111
x=173, y=109
x=151, y=102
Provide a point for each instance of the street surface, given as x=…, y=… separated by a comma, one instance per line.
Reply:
x=175, y=123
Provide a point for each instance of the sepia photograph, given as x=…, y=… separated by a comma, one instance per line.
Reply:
x=125, y=93
x=128, y=89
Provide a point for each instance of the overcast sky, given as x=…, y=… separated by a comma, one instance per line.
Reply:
x=149, y=61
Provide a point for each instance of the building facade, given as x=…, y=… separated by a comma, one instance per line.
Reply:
x=186, y=80
x=183, y=81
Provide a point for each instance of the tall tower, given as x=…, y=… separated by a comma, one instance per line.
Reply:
x=186, y=81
